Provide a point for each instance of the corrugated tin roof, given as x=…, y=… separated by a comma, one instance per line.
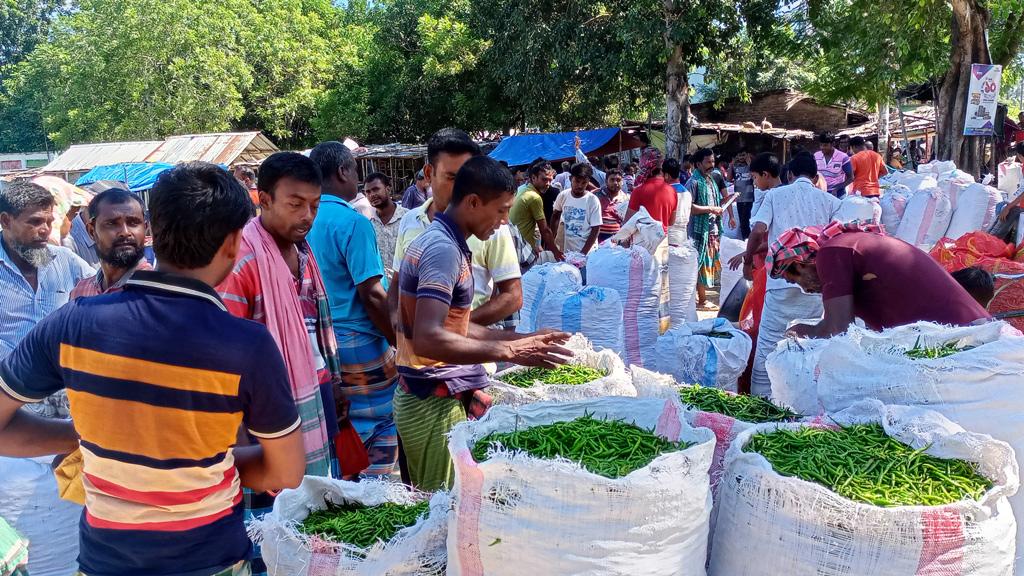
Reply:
x=919, y=120
x=219, y=148
x=751, y=128
x=83, y=157
x=410, y=151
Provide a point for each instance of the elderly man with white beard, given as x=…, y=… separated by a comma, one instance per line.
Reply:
x=36, y=278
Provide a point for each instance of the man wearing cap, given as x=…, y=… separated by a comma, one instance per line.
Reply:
x=862, y=273
x=416, y=194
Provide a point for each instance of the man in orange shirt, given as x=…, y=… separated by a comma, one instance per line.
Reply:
x=867, y=166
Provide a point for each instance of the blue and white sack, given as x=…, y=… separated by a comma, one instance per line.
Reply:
x=594, y=311
x=691, y=356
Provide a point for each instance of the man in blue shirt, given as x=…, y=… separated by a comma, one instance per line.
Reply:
x=35, y=277
x=345, y=246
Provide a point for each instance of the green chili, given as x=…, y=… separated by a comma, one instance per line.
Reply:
x=746, y=408
x=361, y=525
x=570, y=374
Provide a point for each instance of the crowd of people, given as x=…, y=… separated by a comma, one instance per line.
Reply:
x=296, y=325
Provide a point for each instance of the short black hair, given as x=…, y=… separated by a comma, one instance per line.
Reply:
x=329, y=157
x=803, y=164
x=114, y=197
x=613, y=172
x=483, y=176
x=581, y=170
x=766, y=162
x=670, y=167
x=539, y=168
x=287, y=165
x=22, y=195
x=979, y=283
x=384, y=179
x=701, y=154
x=193, y=208
x=450, y=141
x=857, y=141
x=826, y=138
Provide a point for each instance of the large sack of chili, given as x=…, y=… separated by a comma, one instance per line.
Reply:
x=589, y=374
x=682, y=283
x=975, y=210
x=793, y=372
x=636, y=275
x=893, y=204
x=541, y=281
x=516, y=513
x=711, y=352
x=293, y=545
x=592, y=311
x=859, y=208
x=970, y=374
x=786, y=506
x=926, y=218
x=29, y=501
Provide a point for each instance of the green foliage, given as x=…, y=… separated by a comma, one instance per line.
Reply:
x=25, y=24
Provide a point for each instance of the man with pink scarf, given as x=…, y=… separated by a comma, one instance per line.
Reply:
x=276, y=281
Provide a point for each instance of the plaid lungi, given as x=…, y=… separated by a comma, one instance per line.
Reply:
x=369, y=379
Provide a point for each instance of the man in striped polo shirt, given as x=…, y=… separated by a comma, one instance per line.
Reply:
x=161, y=378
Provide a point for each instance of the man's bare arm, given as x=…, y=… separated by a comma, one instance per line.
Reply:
x=26, y=435
x=275, y=464
x=506, y=300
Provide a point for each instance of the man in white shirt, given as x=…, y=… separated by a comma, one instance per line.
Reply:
x=797, y=205
x=579, y=211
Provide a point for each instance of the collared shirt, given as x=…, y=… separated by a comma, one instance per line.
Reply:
x=795, y=205
x=94, y=286
x=527, y=210
x=21, y=308
x=363, y=206
x=346, y=250
x=79, y=242
x=833, y=170
x=435, y=266
x=387, y=236
x=493, y=260
x=160, y=377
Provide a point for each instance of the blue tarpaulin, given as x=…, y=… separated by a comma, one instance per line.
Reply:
x=138, y=176
x=525, y=148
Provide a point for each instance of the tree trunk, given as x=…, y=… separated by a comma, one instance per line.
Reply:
x=969, y=46
x=677, y=89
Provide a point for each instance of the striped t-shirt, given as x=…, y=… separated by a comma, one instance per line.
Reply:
x=159, y=377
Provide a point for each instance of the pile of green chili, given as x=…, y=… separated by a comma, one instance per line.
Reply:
x=723, y=335
x=361, y=525
x=571, y=374
x=610, y=448
x=919, y=352
x=746, y=408
x=864, y=464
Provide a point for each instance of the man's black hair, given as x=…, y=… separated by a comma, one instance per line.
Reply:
x=701, y=154
x=329, y=157
x=766, y=162
x=670, y=167
x=113, y=196
x=22, y=195
x=611, y=161
x=613, y=172
x=503, y=163
x=384, y=179
x=803, y=164
x=539, y=168
x=581, y=170
x=483, y=176
x=826, y=138
x=979, y=283
x=450, y=141
x=193, y=208
x=857, y=141
x=287, y=165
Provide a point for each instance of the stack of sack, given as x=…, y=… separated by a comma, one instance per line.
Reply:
x=711, y=352
x=859, y=208
x=976, y=387
x=592, y=311
x=636, y=275
x=893, y=204
x=539, y=282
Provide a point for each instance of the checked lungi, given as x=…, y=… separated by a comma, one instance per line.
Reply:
x=369, y=379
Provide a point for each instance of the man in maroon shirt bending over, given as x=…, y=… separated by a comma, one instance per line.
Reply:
x=862, y=273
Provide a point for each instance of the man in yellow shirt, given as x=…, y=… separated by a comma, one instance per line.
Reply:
x=527, y=212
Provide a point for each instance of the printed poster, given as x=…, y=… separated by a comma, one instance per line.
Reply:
x=982, y=97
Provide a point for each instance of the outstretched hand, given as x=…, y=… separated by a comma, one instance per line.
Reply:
x=735, y=262
x=543, y=349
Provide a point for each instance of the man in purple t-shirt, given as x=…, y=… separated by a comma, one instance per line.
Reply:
x=862, y=273
x=833, y=165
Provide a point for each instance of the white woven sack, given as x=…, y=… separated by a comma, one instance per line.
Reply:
x=689, y=356
x=1010, y=177
x=594, y=312
x=413, y=551
x=793, y=372
x=682, y=283
x=978, y=389
x=516, y=514
x=730, y=278
x=893, y=204
x=636, y=275
x=616, y=383
x=538, y=282
x=926, y=218
x=975, y=210
x=915, y=182
x=859, y=208
x=770, y=525
x=30, y=504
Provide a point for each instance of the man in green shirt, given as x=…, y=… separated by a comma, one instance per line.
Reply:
x=527, y=212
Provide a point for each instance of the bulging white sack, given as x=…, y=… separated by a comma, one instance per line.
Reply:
x=682, y=283
x=859, y=208
x=793, y=372
x=636, y=275
x=690, y=356
x=926, y=218
x=730, y=278
x=975, y=210
x=592, y=311
x=893, y=204
x=539, y=282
